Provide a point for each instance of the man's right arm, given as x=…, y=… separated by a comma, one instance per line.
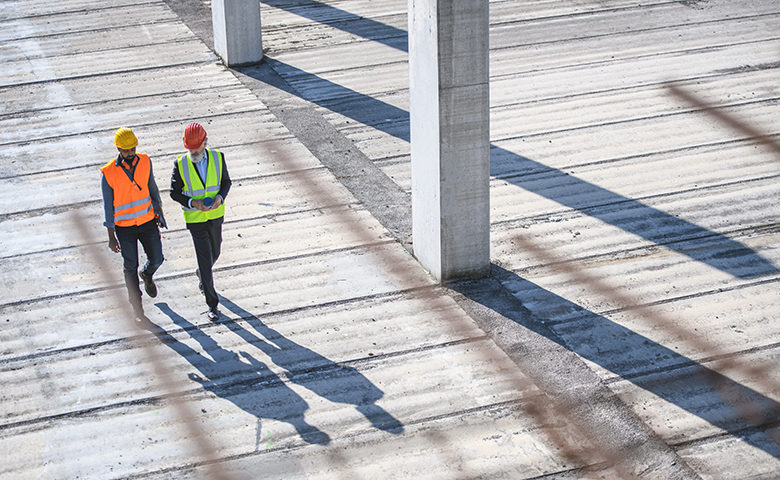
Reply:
x=108, y=211
x=108, y=202
x=177, y=185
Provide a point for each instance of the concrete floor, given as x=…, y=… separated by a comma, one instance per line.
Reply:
x=645, y=330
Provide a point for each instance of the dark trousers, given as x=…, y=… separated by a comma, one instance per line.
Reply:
x=149, y=236
x=207, y=238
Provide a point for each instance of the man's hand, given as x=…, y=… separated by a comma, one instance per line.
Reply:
x=159, y=218
x=217, y=202
x=113, y=244
x=198, y=203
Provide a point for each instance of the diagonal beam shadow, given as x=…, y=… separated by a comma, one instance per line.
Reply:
x=635, y=217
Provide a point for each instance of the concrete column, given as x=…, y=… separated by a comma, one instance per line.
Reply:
x=450, y=136
x=237, y=37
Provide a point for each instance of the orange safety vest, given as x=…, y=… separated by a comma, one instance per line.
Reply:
x=132, y=202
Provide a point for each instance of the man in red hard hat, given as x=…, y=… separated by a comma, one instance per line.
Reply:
x=200, y=183
x=133, y=213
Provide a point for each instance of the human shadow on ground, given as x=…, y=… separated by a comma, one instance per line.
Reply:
x=241, y=379
x=633, y=216
x=307, y=368
x=673, y=377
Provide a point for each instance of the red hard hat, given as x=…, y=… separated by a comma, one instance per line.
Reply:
x=194, y=135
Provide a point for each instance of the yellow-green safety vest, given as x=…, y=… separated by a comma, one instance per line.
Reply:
x=194, y=188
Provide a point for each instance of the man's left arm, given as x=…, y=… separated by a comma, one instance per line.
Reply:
x=154, y=192
x=224, y=186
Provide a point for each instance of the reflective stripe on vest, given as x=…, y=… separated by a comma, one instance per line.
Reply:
x=132, y=201
x=129, y=216
x=194, y=188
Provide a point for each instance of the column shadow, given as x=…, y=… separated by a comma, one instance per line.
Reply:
x=321, y=375
x=652, y=224
x=675, y=378
x=343, y=20
x=241, y=379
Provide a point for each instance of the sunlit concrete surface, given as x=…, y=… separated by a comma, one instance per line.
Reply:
x=337, y=357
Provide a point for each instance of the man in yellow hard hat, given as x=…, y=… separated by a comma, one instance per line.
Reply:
x=200, y=183
x=133, y=213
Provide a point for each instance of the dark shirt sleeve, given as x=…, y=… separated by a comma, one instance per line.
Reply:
x=177, y=186
x=154, y=192
x=108, y=201
x=224, y=186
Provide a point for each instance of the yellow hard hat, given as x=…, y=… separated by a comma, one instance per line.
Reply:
x=124, y=138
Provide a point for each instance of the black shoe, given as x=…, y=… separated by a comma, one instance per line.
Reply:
x=213, y=314
x=149, y=286
x=200, y=282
